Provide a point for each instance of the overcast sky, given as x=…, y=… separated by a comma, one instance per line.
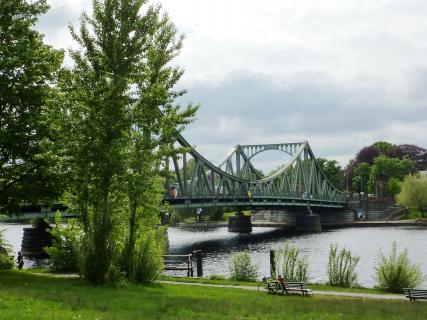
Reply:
x=340, y=74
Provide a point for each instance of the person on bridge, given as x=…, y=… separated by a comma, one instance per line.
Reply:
x=250, y=194
x=173, y=192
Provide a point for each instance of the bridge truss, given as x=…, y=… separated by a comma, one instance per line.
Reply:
x=235, y=182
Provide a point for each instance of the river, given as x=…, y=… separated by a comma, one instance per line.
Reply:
x=219, y=245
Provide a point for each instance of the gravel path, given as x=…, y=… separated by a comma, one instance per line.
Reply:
x=323, y=293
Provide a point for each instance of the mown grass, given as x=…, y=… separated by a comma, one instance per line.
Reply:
x=26, y=296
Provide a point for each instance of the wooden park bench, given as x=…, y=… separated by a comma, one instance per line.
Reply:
x=414, y=294
x=273, y=286
x=296, y=287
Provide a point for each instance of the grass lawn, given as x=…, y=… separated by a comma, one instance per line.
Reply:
x=26, y=296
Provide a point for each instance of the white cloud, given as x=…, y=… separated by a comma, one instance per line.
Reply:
x=341, y=74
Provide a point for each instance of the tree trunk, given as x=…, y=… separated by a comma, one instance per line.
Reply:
x=131, y=245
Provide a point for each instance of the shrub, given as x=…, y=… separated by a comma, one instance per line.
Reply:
x=241, y=267
x=341, y=267
x=149, y=257
x=6, y=262
x=216, y=277
x=294, y=267
x=65, y=254
x=395, y=272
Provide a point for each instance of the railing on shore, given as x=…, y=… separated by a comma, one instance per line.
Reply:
x=184, y=262
x=206, y=225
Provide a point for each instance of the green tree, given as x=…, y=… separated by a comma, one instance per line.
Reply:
x=156, y=122
x=384, y=168
x=28, y=71
x=386, y=148
x=5, y=251
x=332, y=171
x=120, y=123
x=414, y=193
x=394, y=186
x=361, y=177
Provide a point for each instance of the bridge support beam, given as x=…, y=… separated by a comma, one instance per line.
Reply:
x=336, y=218
x=308, y=223
x=240, y=223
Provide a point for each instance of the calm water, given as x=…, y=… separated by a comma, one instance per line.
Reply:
x=218, y=245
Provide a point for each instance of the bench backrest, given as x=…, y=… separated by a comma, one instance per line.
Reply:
x=416, y=292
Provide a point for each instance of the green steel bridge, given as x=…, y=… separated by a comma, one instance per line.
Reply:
x=236, y=183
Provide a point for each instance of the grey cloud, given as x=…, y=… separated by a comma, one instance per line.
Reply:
x=248, y=107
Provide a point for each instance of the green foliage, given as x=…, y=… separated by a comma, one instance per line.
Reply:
x=28, y=72
x=241, y=267
x=216, y=277
x=395, y=272
x=382, y=168
x=65, y=252
x=414, y=193
x=385, y=168
x=394, y=186
x=341, y=267
x=5, y=260
x=149, y=256
x=361, y=177
x=385, y=147
x=120, y=121
x=293, y=266
x=332, y=171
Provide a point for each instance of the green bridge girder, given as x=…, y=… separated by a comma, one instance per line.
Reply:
x=235, y=182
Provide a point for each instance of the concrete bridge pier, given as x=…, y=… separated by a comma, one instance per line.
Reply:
x=240, y=223
x=340, y=217
x=308, y=223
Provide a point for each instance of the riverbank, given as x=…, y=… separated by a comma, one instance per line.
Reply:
x=27, y=296
x=285, y=225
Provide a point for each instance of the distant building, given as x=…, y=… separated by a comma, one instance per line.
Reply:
x=423, y=174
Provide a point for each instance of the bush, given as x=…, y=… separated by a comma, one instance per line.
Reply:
x=149, y=257
x=341, y=267
x=293, y=266
x=65, y=254
x=241, y=267
x=6, y=262
x=396, y=272
x=216, y=277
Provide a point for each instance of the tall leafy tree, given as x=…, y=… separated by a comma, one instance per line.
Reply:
x=156, y=124
x=361, y=177
x=120, y=123
x=414, y=193
x=28, y=70
x=332, y=171
x=384, y=168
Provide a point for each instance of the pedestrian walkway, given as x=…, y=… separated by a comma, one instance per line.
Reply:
x=316, y=292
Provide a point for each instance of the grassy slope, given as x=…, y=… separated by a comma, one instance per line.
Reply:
x=25, y=296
